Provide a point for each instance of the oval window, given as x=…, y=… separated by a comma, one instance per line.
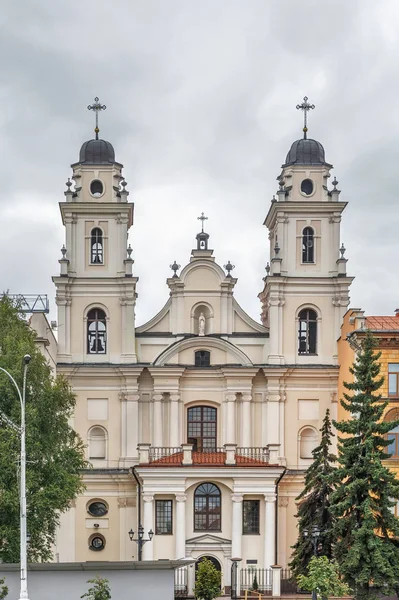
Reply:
x=307, y=187
x=96, y=188
x=97, y=542
x=97, y=509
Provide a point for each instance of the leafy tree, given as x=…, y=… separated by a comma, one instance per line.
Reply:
x=208, y=580
x=99, y=591
x=323, y=578
x=55, y=453
x=314, y=507
x=365, y=526
x=3, y=589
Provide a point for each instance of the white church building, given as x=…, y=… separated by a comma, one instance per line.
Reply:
x=200, y=423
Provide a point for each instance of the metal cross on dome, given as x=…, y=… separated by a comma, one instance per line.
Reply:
x=306, y=107
x=97, y=107
x=202, y=218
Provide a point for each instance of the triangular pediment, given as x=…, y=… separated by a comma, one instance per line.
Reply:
x=208, y=538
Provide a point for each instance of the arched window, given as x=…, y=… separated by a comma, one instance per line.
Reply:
x=201, y=428
x=97, y=443
x=393, y=435
x=308, y=245
x=202, y=358
x=96, y=331
x=307, y=332
x=207, y=508
x=96, y=247
x=307, y=442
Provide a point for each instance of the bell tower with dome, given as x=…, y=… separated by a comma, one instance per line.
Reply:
x=306, y=288
x=95, y=287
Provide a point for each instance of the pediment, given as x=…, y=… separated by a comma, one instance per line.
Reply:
x=231, y=353
x=208, y=539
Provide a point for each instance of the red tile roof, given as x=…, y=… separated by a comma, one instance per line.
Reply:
x=381, y=323
x=208, y=459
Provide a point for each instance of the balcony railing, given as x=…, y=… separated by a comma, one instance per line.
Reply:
x=228, y=455
x=173, y=455
x=260, y=454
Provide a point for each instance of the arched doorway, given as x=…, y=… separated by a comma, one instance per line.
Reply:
x=213, y=560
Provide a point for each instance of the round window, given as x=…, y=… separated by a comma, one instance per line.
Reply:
x=307, y=187
x=96, y=188
x=97, y=542
x=97, y=509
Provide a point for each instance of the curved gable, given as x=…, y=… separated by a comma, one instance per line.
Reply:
x=232, y=354
x=202, y=275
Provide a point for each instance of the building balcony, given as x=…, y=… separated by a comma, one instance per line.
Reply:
x=227, y=455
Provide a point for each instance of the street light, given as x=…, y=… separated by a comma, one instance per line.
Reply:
x=314, y=535
x=140, y=540
x=23, y=595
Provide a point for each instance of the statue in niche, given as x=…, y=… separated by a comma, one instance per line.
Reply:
x=201, y=324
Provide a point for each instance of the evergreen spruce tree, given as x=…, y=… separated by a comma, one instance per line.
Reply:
x=366, y=491
x=314, y=507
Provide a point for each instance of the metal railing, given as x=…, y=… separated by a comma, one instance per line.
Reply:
x=181, y=587
x=174, y=455
x=252, y=453
x=260, y=578
x=289, y=584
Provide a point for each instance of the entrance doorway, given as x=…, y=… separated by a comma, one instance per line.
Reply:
x=214, y=561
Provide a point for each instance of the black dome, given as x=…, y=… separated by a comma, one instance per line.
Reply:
x=305, y=152
x=97, y=152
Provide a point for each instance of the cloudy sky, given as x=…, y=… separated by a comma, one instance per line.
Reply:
x=201, y=98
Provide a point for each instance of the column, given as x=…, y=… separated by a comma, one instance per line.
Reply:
x=236, y=528
x=246, y=421
x=282, y=531
x=230, y=437
x=270, y=530
x=180, y=526
x=126, y=550
x=129, y=424
x=174, y=420
x=132, y=424
x=148, y=523
x=157, y=421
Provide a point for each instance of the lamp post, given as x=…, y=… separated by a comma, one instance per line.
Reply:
x=23, y=595
x=314, y=535
x=234, y=581
x=140, y=539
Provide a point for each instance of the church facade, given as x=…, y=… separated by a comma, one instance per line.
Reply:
x=200, y=423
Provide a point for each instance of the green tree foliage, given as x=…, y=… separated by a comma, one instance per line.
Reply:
x=323, y=578
x=314, y=504
x=55, y=453
x=3, y=589
x=207, y=581
x=366, y=492
x=100, y=589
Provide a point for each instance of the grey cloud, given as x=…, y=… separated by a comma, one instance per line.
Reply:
x=201, y=111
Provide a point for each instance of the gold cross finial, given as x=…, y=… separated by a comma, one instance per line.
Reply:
x=306, y=107
x=97, y=107
x=202, y=218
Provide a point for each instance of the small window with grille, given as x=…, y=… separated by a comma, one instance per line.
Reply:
x=163, y=517
x=250, y=510
x=202, y=358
